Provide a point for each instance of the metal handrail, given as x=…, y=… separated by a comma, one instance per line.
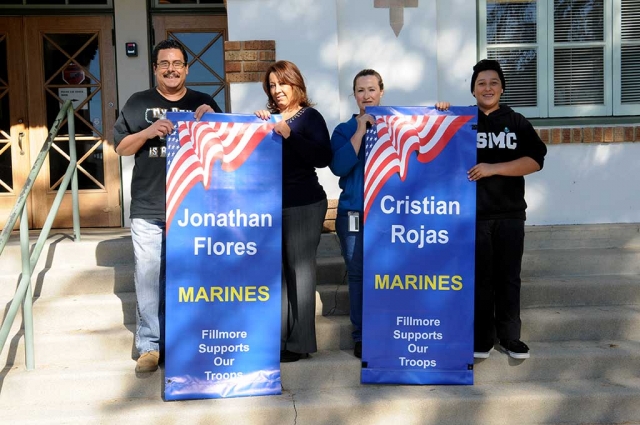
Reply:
x=23, y=294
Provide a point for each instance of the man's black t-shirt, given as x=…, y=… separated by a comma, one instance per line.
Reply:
x=149, y=172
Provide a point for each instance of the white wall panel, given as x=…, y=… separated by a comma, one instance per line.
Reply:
x=588, y=183
x=132, y=72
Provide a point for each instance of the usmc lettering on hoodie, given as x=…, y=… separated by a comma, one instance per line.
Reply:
x=502, y=140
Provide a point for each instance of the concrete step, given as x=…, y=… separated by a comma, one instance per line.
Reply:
x=99, y=345
x=581, y=318
x=81, y=273
x=73, y=280
x=580, y=262
x=575, y=401
x=618, y=235
x=561, y=360
x=98, y=330
x=565, y=360
x=557, y=323
x=106, y=310
x=530, y=403
x=333, y=298
x=102, y=336
x=84, y=312
x=549, y=250
x=580, y=290
x=330, y=298
x=563, y=291
x=331, y=270
x=91, y=279
x=586, y=323
x=101, y=247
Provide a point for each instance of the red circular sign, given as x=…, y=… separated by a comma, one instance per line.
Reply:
x=73, y=74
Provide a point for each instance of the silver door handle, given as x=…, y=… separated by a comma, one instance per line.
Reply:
x=20, y=136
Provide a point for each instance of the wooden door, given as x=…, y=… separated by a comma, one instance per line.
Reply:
x=14, y=136
x=64, y=58
x=203, y=38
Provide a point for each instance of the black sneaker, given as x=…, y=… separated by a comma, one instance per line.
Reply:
x=515, y=348
x=357, y=350
x=482, y=353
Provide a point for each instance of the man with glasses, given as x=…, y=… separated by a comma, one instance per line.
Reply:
x=140, y=130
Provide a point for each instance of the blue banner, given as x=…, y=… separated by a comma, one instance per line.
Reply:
x=223, y=277
x=419, y=246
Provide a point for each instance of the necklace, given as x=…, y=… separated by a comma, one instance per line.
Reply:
x=290, y=112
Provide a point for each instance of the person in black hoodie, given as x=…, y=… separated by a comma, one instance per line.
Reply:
x=508, y=149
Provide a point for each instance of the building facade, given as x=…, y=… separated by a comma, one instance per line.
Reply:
x=572, y=66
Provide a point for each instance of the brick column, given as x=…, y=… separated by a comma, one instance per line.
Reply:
x=246, y=61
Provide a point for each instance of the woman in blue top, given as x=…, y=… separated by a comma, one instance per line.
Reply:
x=348, y=164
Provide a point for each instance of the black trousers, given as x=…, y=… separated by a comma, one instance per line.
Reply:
x=301, y=233
x=499, y=248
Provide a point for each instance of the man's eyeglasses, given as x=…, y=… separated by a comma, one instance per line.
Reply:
x=176, y=64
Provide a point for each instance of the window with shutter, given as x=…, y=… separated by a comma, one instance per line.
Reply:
x=511, y=32
x=581, y=58
x=627, y=91
x=565, y=58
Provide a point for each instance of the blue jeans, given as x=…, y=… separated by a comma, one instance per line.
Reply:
x=148, y=237
x=351, y=245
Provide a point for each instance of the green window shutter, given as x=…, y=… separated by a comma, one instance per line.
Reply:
x=520, y=69
x=630, y=78
x=578, y=75
x=581, y=60
x=630, y=53
x=511, y=37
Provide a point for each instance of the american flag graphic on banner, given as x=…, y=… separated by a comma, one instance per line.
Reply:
x=390, y=142
x=201, y=143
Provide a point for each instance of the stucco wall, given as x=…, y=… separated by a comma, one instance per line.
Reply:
x=586, y=184
x=431, y=59
x=305, y=32
x=331, y=40
x=132, y=73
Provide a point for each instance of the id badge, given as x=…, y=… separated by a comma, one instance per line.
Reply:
x=354, y=221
